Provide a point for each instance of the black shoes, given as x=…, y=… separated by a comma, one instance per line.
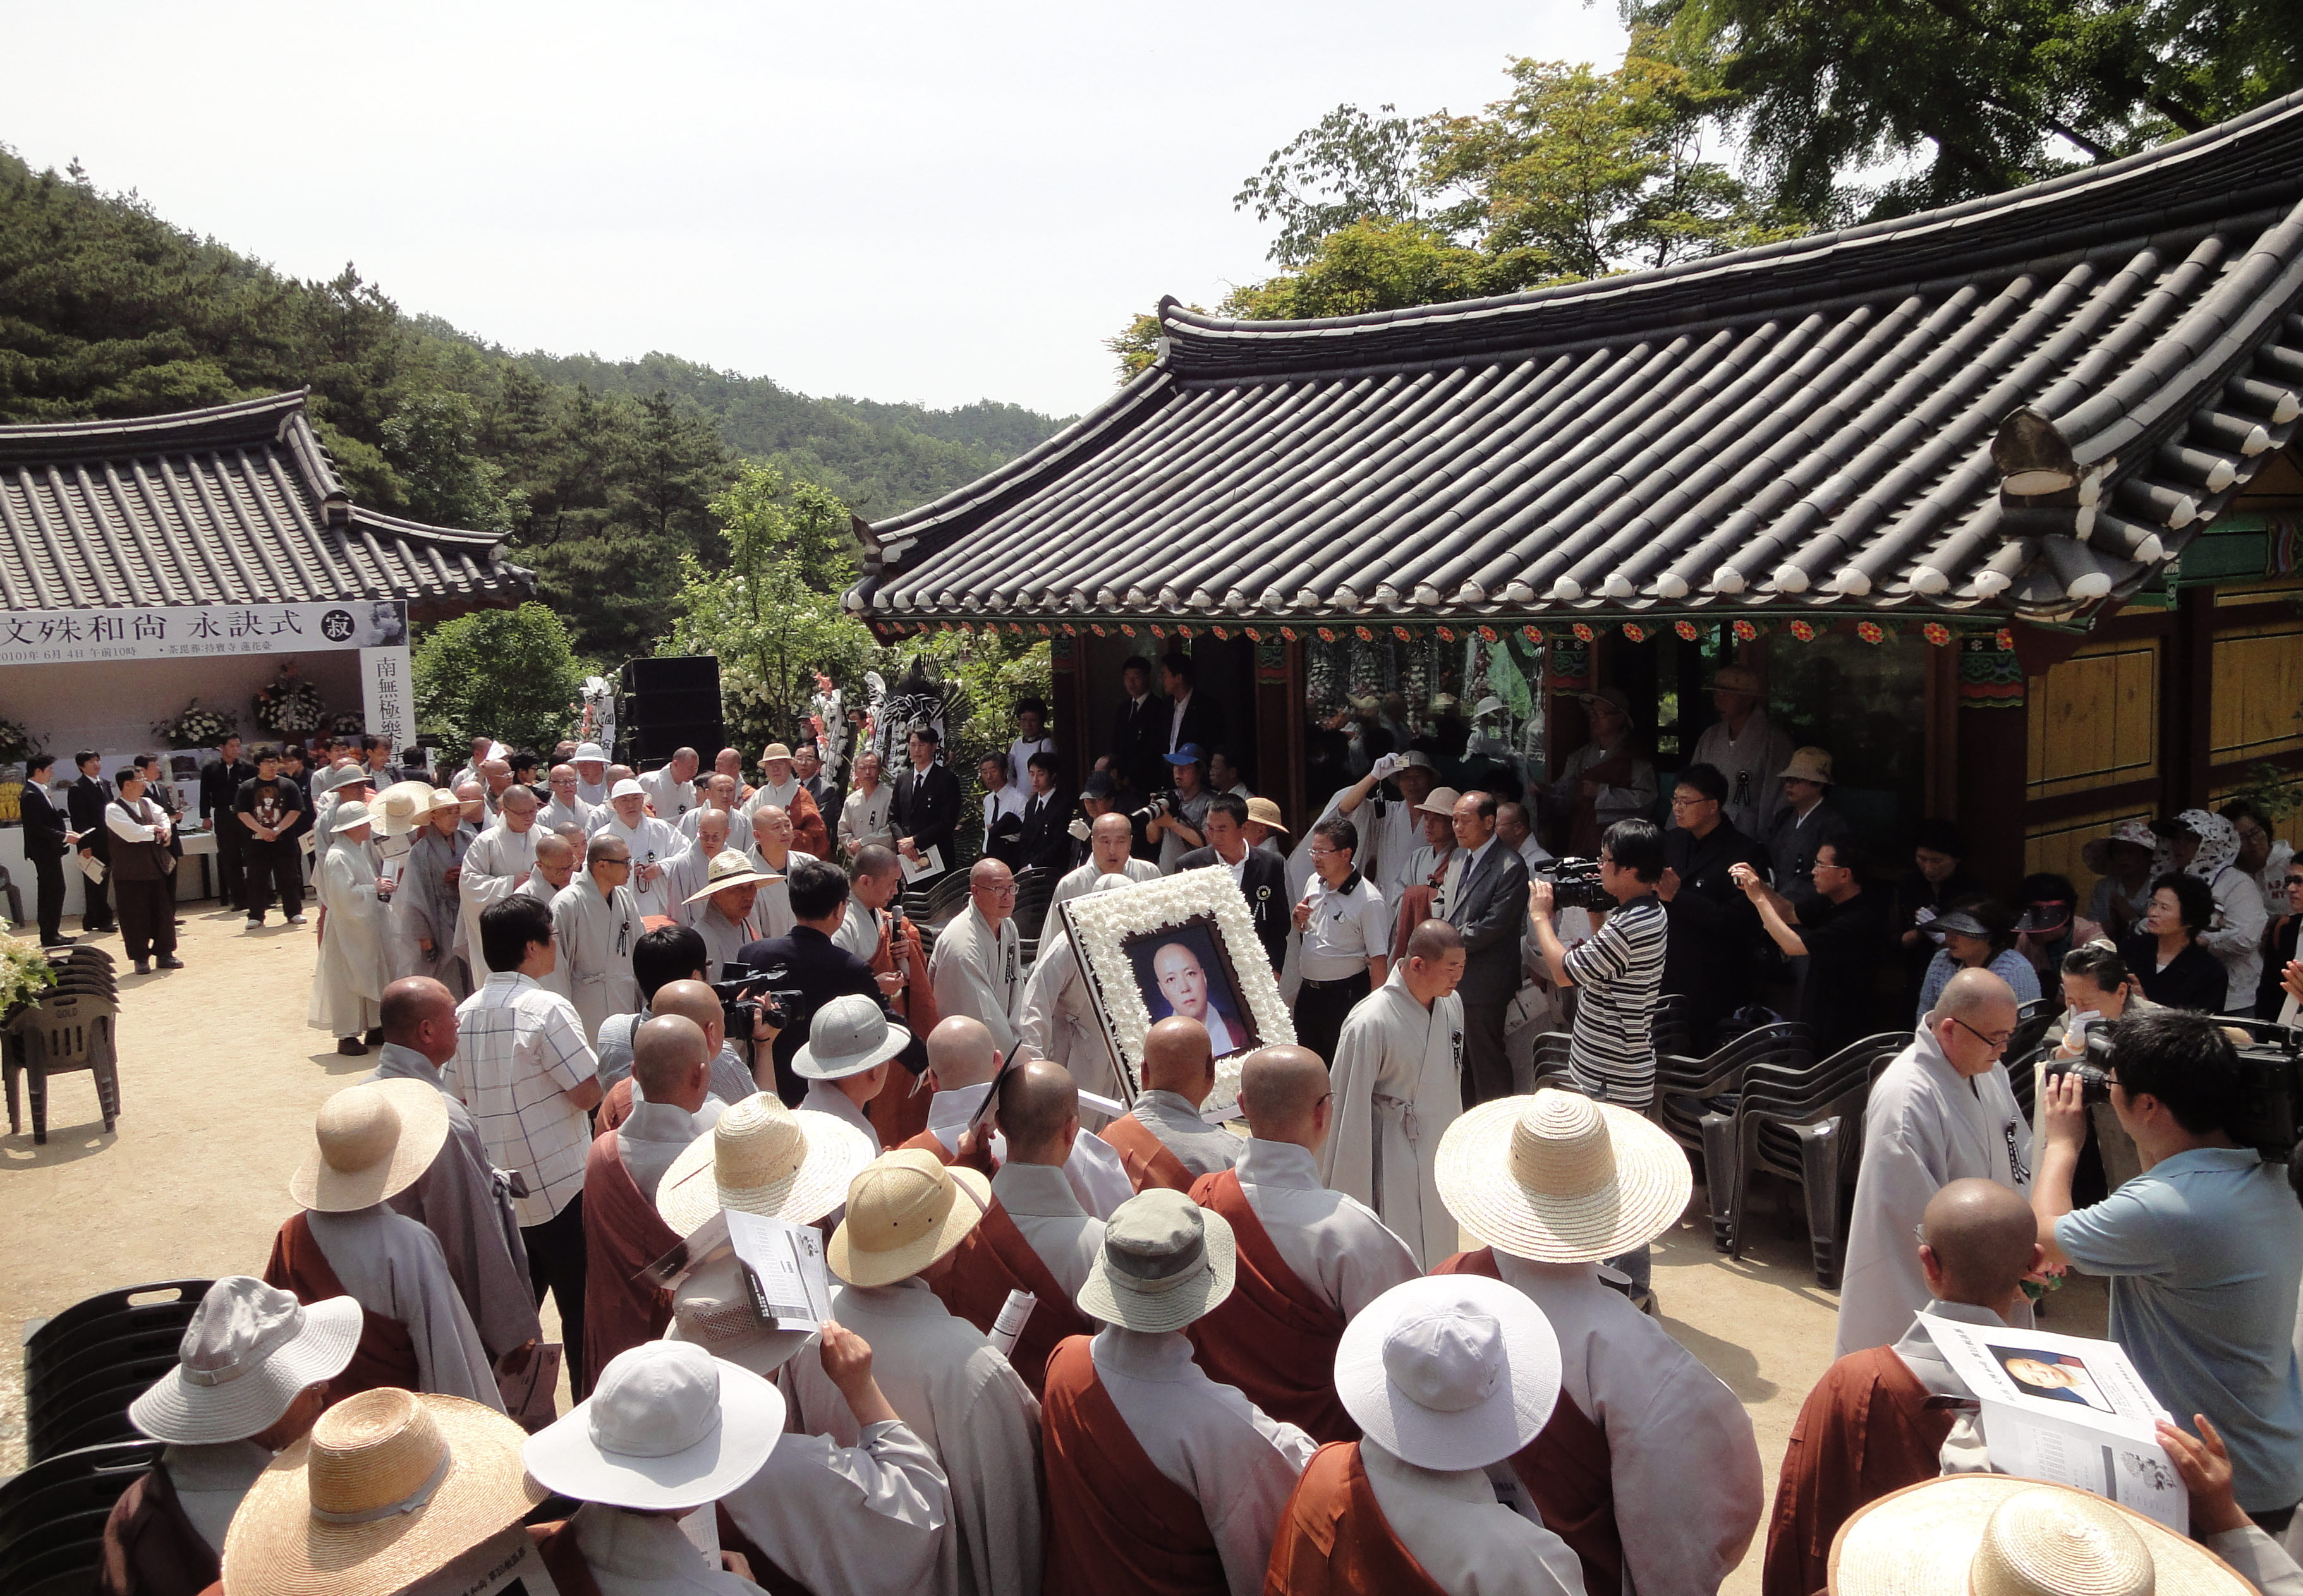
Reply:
x=143, y=967
x=169, y=961
x=350, y=1047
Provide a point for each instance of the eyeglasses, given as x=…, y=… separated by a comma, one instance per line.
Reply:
x=2295, y=880
x=1997, y=1044
x=1325, y=853
x=1679, y=802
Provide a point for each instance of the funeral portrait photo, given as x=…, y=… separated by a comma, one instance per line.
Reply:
x=1180, y=971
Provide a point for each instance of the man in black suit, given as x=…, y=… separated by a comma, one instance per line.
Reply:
x=85, y=804
x=153, y=769
x=220, y=780
x=1139, y=730
x=924, y=811
x=1713, y=926
x=1047, y=813
x=1489, y=907
x=805, y=969
x=45, y=834
x=1261, y=875
x=1191, y=717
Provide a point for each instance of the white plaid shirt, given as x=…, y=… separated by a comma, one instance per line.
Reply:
x=518, y=1050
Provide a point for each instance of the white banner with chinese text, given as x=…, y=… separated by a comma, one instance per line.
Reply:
x=388, y=695
x=86, y=636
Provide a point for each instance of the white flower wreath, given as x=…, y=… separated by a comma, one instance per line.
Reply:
x=1103, y=923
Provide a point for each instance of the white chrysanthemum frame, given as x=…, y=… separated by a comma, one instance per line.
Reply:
x=1102, y=924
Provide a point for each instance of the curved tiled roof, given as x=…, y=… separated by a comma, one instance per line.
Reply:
x=2030, y=400
x=234, y=504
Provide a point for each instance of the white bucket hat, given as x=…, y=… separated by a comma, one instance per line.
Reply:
x=388, y=1488
x=249, y=1352
x=905, y=1211
x=1560, y=1178
x=667, y=1427
x=1166, y=1261
x=347, y=815
x=626, y=789
x=730, y=868
x=1449, y=1372
x=763, y=1158
x=1996, y=1535
x=374, y=1140
x=848, y=1036
x=588, y=753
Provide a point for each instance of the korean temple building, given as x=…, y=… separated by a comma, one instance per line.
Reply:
x=2000, y=499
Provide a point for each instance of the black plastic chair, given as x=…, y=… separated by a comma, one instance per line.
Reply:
x=140, y=1306
x=52, y=1517
x=1688, y=1091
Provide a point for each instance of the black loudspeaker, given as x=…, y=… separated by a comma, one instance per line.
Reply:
x=670, y=704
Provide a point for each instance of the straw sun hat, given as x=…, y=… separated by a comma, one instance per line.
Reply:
x=1995, y=1535
x=903, y=1212
x=375, y=1139
x=763, y=1158
x=730, y=868
x=388, y=1487
x=403, y=807
x=1559, y=1179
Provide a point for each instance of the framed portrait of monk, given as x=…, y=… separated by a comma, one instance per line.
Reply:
x=1183, y=945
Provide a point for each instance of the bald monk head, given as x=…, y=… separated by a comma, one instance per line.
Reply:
x=1284, y=1093
x=1972, y=1021
x=960, y=1054
x=420, y=1013
x=555, y=859
x=1978, y=1240
x=1179, y=1058
x=672, y=1061
x=694, y=1000
x=1038, y=1112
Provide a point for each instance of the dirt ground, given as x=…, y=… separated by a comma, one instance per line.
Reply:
x=220, y=1078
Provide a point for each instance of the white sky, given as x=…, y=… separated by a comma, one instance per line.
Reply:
x=938, y=203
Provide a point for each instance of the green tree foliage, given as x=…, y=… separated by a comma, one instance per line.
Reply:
x=1577, y=173
x=510, y=673
x=772, y=612
x=1973, y=96
x=602, y=474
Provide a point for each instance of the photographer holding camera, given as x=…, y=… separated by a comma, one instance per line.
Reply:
x=2204, y=1249
x=1611, y=1048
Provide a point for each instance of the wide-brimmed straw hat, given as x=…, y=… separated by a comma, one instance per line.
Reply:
x=374, y=1140
x=249, y=1352
x=1560, y=1178
x=442, y=798
x=401, y=807
x=388, y=1487
x=668, y=1426
x=848, y=1036
x=2095, y=852
x=1441, y=801
x=1808, y=764
x=1263, y=811
x=1166, y=1261
x=730, y=868
x=774, y=751
x=1449, y=1372
x=763, y=1158
x=348, y=815
x=905, y=1211
x=1996, y=1535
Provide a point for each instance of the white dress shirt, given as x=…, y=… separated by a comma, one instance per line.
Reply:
x=1240, y=1464
x=518, y=1050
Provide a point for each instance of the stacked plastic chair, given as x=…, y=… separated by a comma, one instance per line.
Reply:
x=72, y=1026
x=1688, y=1090
x=84, y=1366
x=52, y=1517
x=1033, y=887
x=1803, y=1124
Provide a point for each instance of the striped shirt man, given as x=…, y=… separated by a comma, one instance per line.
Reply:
x=518, y=1050
x=1611, y=1051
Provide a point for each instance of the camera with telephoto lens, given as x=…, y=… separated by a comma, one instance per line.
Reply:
x=1575, y=885
x=737, y=1013
x=1159, y=803
x=2270, y=1070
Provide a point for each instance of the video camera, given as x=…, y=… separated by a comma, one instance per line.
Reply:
x=1575, y=885
x=2273, y=1073
x=749, y=999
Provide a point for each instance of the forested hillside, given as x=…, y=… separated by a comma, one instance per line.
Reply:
x=600, y=471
